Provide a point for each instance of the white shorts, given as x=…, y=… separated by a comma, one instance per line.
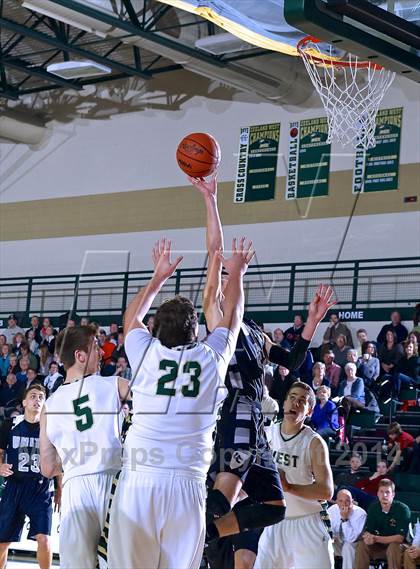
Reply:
x=296, y=543
x=83, y=511
x=157, y=520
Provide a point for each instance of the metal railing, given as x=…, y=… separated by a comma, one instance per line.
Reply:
x=273, y=288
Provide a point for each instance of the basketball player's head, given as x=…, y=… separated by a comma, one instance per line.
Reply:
x=176, y=322
x=78, y=347
x=299, y=403
x=33, y=400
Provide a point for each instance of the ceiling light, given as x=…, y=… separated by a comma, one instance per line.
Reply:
x=78, y=69
x=68, y=16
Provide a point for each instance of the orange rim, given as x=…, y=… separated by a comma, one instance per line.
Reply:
x=328, y=61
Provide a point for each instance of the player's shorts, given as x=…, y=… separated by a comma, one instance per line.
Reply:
x=303, y=543
x=241, y=448
x=83, y=511
x=162, y=512
x=27, y=497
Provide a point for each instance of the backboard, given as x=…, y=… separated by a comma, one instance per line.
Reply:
x=386, y=32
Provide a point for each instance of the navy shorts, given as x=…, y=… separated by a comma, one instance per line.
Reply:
x=220, y=554
x=241, y=448
x=30, y=497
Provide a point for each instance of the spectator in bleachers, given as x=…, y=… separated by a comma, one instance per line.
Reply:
x=337, y=328
x=402, y=444
x=25, y=352
x=318, y=376
x=36, y=329
x=13, y=364
x=350, y=477
x=340, y=350
x=22, y=375
x=45, y=323
x=389, y=353
x=409, y=365
x=280, y=339
x=12, y=328
x=4, y=361
x=412, y=554
x=364, y=491
x=332, y=371
x=325, y=416
x=84, y=321
x=119, y=350
x=54, y=378
x=32, y=377
x=396, y=327
x=33, y=343
x=18, y=338
x=11, y=392
x=293, y=333
x=45, y=358
x=107, y=347
x=3, y=340
x=70, y=323
x=362, y=337
x=347, y=523
x=352, y=390
x=386, y=527
x=368, y=364
x=49, y=339
x=122, y=369
x=113, y=328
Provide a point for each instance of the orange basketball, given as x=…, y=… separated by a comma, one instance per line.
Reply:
x=198, y=154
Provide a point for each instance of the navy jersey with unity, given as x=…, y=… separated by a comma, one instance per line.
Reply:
x=241, y=446
x=26, y=492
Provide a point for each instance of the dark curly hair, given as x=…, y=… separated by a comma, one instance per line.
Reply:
x=175, y=322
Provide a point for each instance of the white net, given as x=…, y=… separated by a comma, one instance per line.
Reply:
x=351, y=92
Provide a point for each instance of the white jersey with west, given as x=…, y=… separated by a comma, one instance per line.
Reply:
x=292, y=455
x=84, y=422
x=176, y=395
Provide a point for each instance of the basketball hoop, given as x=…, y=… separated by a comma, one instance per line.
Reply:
x=351, y=91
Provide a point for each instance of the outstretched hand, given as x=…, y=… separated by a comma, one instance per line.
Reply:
x=207, y=188
x=242, y=255
x=321, y=302
x=161, y=255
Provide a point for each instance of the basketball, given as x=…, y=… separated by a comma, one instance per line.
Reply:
x=198, y=154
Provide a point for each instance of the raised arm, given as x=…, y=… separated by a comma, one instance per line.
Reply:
x=214, y=243
x=236, y=266
x=293, y=359
x=141, y=303
x=214, y=233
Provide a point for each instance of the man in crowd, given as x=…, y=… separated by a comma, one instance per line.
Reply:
x=353, y=475
x=293, y=333
x=386, y=527
x=395, y=326
x=12, y=329
x=335, y=328
x=347, y=522
x=332, y=371
x=11, y=393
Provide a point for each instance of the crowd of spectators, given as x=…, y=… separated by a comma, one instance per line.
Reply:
x=346, y=374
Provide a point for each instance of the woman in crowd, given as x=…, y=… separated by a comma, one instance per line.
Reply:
x=408, y=367
x=45, y=358
x=25, y=352
x=33, y=344
x=4, y=361
x=325, y=416
x=318, y=376
x=352, y=390
x=390, y=352
x=368, y=366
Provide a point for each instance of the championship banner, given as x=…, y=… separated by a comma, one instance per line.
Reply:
x=376, y=169
x=309, y=159
x=257, y=163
